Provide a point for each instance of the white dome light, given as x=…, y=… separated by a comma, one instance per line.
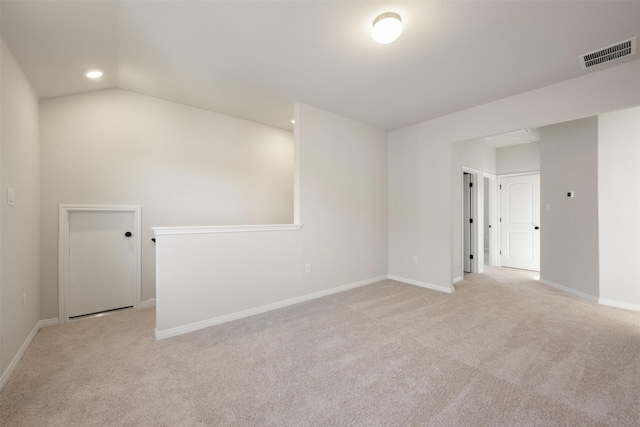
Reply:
x=94, y=74
x=386, y=28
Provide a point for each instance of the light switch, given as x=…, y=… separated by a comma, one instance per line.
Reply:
x=10, y=200
x=571, y=194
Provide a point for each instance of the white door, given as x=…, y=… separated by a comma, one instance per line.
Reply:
x=101, y=261
x=520, y=221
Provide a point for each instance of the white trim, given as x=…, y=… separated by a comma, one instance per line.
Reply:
x=63, y=252
x=148, y=303
x=160, y=335
x=470, y=170
x=422, y=284
x=23, y=349
x=601, y=301
x=49, y=322
x=493, y=216
x=619, y=304
x=296, y=164
x=162, y=231
x=458, y=279
x=568, y=290
x=508, y=175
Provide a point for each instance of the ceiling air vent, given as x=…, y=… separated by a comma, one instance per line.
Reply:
x=609, y=53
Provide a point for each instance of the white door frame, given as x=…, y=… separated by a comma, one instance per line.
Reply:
x=474, y=213
x=499, y=209
x=493, y=217
x=63, y=252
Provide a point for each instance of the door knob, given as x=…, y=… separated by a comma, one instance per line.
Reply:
x=536, y=227
x=128, y=234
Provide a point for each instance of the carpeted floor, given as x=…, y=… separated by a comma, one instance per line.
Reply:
x=501, y=350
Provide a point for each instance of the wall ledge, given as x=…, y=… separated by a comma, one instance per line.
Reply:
x=166, y=231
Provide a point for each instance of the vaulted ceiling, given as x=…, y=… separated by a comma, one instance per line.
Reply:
x=254, y=59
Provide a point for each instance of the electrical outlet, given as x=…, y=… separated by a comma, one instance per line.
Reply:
x=308, y=268
x=24, y=301
x=415, y=259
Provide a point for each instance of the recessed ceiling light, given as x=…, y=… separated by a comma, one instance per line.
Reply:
x=94, y=74
x=293, y=122
x=386, y=27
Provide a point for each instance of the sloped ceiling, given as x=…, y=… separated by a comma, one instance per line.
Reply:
x=253, y=60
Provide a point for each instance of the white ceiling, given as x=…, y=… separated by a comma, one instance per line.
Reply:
x=255, y=59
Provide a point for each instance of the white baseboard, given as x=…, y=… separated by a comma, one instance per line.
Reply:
x=168, y=333
x=23, y=349
x=568, y=290
x=49, y=322
x=458, y=279
x=619, y=304
x=602, y=301
x=148, y=303
x=422, y=284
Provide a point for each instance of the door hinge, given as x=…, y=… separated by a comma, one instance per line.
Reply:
x=501, y=186
x=470, y=256
x=500, y=219
x=471, y=184
x=500, y=252
x=470, y=220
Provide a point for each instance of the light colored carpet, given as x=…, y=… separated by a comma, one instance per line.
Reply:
x=501, y=350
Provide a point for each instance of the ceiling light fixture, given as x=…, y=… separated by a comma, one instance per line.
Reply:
x=293, y=122
x=94, y=74
x=386, y=27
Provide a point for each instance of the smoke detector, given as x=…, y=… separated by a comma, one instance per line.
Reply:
x=609, y=53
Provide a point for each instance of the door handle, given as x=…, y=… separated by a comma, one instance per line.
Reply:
x=128, y=234
x=536, y=227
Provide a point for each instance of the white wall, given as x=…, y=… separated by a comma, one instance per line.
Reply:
x=619, y=207
x=420, y=187
x=420, y=208
x=343, y=206
x=518, y=158
x=477, y=155
x=183, y=165
x=20, y=231
x=343, y=198
x=569, y=231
